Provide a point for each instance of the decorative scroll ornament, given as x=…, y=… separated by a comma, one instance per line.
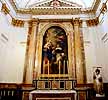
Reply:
x=104, y=8
x=92, y=22
x=18, y=23
x=5, y=9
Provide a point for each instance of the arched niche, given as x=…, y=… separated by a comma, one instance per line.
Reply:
x=68, y=30
x=54, y=51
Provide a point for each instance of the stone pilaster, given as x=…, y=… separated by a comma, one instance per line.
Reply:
x=71, y=61
x=80, y=70
x=38, y=60
x=29, y=70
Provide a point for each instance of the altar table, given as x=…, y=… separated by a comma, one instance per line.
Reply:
x=53, y=95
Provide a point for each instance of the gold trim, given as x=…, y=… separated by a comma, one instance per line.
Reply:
x=92, y=22
x=52, y=11
x=103, y=8
x=77, y=21
x=5, y=9
x=54, y=75
x=17, y=22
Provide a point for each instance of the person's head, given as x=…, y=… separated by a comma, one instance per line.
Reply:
x=58, y=45
x=97, y=71
x=62, y=54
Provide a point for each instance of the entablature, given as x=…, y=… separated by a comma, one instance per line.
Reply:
x=42, y=10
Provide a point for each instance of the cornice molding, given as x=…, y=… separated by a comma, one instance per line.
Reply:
x=55, y=11
x=50, y=20
x=103, y=9
x=95, y=7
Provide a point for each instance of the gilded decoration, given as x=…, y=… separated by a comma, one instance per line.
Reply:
x=5, y=9
x=77, y=22
x=104, y=8
x=92, y=22
x=17, y=22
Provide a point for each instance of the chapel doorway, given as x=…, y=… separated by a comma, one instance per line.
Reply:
x=54, y=52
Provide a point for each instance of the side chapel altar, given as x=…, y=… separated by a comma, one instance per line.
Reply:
x=54, y=59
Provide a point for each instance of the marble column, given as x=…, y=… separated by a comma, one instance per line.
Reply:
x=38, y=60
x=29, y=69
x=71, y=62
x=80, y=70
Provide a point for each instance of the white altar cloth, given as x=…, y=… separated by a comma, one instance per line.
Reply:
x=52, y=91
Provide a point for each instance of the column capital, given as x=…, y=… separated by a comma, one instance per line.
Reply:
x=33, y=21
x=77, y=22
x=17, y=22
x=92, y=22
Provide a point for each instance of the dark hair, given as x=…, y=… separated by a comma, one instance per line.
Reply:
x=97, y=70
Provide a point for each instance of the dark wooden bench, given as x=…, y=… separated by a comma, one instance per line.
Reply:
x=10, y=94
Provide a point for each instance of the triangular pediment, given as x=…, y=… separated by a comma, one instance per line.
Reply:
x=55, y=3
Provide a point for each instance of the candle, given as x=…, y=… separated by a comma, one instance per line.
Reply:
x=59, y=66
x=67, y=64
x=43, y=67
x=64, y=67
x=48, y=67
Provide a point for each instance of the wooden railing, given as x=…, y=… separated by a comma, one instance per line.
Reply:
x=54, y=84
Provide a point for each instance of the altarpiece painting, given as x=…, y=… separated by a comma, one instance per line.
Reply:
x=54, y=51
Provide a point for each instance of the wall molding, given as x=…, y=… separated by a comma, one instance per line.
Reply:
x=105, y=37
x=4, y=38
